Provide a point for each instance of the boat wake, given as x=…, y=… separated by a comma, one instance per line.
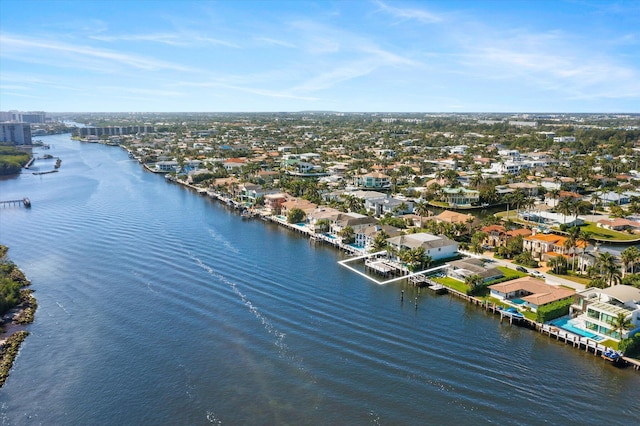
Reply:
x=266, y=323
x=220, y=239
x=283, y=349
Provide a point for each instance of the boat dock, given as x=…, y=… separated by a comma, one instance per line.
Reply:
x=25, y=202
x=421, y=280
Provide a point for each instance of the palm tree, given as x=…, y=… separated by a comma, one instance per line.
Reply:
x=608, y=267
x=470, y=223
x=554, y=194
x=621, y=323
x=476, y=180
x=353, y=203
x=565, y=207
x=347, y=234
x=401, y=208
x=573, y=239
x=473, y=281
x=583, y=241
x=629, y=256
x=415, y=258
x=518, y=198
x=558, y=264
x=422, y=209
x=596, y=199
x=580, y=207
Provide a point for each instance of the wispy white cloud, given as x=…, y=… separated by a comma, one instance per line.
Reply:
x=256, y=91
x=23, y=45
x=569, y=72
x=156, y=91
x=275, y=42
x=170, y=39
x=404, y=14
x=22, y=95
x=163, y=38
x=31, y=82
x=13, y=87
x=338, y=56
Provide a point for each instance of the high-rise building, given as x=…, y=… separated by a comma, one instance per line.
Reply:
x=16, y=133
x=23, y=117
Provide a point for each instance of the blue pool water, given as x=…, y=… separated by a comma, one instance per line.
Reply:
x=565, y=323
x=517, y=301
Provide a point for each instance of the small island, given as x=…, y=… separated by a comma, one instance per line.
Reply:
x=17, y=307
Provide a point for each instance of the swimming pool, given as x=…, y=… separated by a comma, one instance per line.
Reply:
x=517, y=301
x=568, y=325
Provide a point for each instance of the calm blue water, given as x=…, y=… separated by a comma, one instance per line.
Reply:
x=158, y=306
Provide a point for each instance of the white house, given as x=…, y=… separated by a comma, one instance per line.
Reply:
x=596, y=309
x=436, y=247
x=166, y=166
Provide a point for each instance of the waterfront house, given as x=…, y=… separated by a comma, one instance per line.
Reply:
x=297, y=203
x=320, y=219
x=595, y=309
x=273, y=202
x=530, y=292
x=463, y=268
x=365, y=237
x=166, y=166
x=192, y=165
x=461, y=197
x=435, y=246
x=354, y=220
x=250, y=192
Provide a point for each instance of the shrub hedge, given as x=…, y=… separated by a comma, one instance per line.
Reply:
x=553, y=310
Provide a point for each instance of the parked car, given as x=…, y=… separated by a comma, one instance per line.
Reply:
x=537, y=274
x=521, y=269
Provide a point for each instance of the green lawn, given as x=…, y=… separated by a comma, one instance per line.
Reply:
x=512, y=274
x=574, y=278
x=606, y=234
x=462, y=287
x=452, y=283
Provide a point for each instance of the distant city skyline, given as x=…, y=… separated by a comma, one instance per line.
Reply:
x=350, y=56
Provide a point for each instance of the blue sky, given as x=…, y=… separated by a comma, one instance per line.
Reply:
x=396, y=56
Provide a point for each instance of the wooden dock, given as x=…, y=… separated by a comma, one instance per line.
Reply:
x=10, y=203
